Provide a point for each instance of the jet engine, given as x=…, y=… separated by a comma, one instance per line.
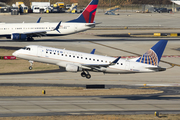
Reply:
x=18, y=36
x=72, y=68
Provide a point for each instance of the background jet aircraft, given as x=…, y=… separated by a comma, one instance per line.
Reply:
x=74, y=61
x=26, y=31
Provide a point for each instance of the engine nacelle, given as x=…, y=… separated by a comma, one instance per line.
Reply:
x=18, y=36
x=72, y=68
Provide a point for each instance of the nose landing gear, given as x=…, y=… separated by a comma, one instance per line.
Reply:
x=87, y=75
x=31, y=64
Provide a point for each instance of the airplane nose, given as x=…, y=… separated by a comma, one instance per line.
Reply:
x=14, y=53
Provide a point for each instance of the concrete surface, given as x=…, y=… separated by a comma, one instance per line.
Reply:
x=128, y=19
x=111, y=46
x=34, y=106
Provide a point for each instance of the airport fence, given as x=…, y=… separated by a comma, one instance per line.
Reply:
x=137, y=7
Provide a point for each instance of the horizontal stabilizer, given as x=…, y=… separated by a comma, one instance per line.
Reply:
x=157, y=68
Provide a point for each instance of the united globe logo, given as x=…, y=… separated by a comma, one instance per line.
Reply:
x=149, y=57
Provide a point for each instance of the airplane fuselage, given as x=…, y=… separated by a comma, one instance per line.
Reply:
x=6, y=29
x=64, y=58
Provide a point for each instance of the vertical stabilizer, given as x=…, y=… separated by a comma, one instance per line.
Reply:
x=153, y=55
x=88, y=15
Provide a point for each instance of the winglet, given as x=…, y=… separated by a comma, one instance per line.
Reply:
x=57, y=27
x=39, y=20
x=115, y=61
x=93, y=51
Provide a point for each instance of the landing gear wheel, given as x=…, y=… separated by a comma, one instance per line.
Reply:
x=88, y=76
x=31, y=64
x=30, y=67
x=83, y=74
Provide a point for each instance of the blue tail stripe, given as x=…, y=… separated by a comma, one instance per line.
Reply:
x=80, y=19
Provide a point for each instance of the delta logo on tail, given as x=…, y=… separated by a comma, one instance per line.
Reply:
x=88, y=14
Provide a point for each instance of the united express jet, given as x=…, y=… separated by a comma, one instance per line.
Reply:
x=74, y=61
x=26, y=31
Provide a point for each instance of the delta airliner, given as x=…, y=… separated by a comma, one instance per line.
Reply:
x=26, y=31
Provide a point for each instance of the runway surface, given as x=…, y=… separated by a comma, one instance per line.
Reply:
x=105, y=44
x=167, y=102
x=48, y=106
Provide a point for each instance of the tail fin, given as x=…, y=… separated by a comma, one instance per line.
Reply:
x=87, y=16
x=153, y=55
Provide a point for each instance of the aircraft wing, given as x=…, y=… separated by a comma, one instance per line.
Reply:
x=43, y=32
x=98, y=66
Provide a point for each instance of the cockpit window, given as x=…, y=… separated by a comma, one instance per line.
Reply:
x=24, y=48
x=28, y=48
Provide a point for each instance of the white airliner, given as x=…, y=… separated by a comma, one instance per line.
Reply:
x=74, y=61
x=26, y=31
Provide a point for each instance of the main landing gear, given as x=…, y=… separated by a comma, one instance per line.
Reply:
x=30, y=39
x=31, y=64
x=87, y=75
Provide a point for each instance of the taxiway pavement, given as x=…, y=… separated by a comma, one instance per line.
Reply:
x=48, y=106
x=110, y=46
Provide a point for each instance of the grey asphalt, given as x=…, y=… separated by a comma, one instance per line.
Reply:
x=138, y=104
x=74, y=105
x=128, y=19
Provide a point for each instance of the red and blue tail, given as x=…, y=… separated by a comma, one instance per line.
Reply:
x=87, y=16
